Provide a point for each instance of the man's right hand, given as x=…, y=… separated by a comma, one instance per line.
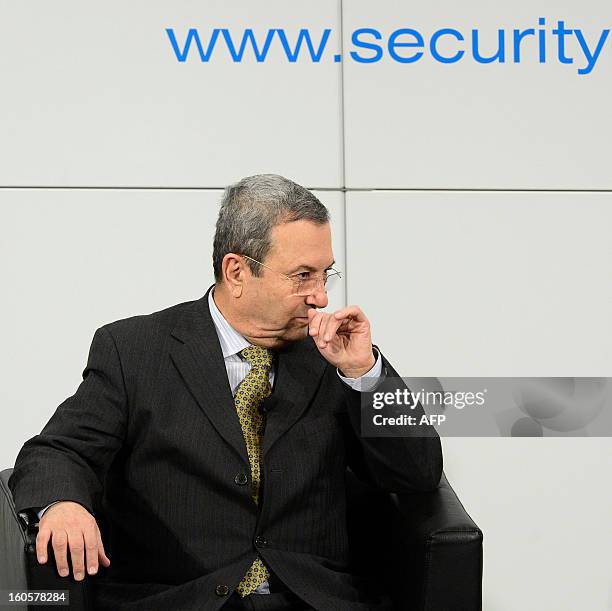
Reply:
x=70, y=526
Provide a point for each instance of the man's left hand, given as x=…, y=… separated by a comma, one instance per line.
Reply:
x=343, y=339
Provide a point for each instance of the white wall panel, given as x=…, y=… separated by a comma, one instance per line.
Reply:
x=485, y=283
x=73, y=260
x=471, y=125
x=92, y=95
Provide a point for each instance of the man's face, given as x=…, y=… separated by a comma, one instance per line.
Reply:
x=269, y=306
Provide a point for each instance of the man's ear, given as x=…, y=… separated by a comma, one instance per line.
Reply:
x=233, y=270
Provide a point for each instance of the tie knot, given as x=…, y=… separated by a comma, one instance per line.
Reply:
x=258, y=357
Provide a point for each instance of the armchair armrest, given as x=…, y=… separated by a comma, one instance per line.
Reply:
x=421, y=548
x=21, y=569
x=12, y=541
x=444, y=549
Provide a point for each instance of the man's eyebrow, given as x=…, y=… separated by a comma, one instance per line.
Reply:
x=309, y=268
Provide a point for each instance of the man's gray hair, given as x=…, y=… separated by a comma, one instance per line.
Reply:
x=250, y=209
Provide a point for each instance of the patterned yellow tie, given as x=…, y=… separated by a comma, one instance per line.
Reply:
x=252, y=391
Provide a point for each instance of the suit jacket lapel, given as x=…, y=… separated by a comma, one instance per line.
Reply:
x=198, y=357
x=299, y=372
x=200, y=362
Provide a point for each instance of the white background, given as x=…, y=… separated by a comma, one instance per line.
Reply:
x=471, y=207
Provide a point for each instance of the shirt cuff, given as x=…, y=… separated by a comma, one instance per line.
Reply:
x=40, y=513
x=368, y=380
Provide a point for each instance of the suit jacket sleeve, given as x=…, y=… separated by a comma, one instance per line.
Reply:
x=394, y=464
x=69, y=458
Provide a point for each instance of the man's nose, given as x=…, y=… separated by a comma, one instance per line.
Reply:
x=318, y=298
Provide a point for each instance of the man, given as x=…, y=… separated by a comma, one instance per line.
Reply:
x=207, y=445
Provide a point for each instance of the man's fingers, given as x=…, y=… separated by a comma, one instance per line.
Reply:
x=77, y=549
x=59, y=541
x=328, y=329
x=324, y=326
x=104, y=559
x=352, y=311
x=42, y=541
x=75, y=538
x=315, y=323
x=91, y=549
x=319, y=327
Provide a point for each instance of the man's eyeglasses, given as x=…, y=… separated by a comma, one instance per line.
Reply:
x=306, y=283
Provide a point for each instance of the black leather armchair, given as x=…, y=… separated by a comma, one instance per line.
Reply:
x=19, y=568
x=423, y=549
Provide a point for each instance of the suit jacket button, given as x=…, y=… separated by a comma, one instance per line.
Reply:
x=241, y=479
x=261, y=541
x=221, y=590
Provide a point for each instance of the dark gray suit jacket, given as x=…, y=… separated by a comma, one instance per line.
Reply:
x=150, y=443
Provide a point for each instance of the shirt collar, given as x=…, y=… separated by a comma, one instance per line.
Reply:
x=231, y=341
